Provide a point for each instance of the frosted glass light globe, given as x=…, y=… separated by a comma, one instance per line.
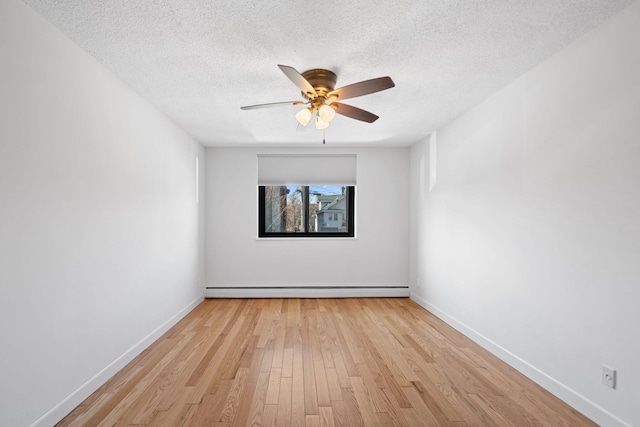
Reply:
x=321, y=124
x=304, y=116
x=326, y=113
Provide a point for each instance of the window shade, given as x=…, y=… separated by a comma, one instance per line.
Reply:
x=280, y=169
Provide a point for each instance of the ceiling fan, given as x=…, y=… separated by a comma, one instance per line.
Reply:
x=323, y=100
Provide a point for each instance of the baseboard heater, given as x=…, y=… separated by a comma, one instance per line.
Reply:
x=305, y=291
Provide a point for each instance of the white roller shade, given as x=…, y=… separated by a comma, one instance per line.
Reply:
x=325, y=169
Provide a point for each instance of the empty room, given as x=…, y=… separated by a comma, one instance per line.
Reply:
x=278, y=213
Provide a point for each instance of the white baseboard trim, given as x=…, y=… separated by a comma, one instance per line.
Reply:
x=306, y=292
x=58, y=412
x=553, y=386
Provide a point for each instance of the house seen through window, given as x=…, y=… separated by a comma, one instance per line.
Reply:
x=306, y=211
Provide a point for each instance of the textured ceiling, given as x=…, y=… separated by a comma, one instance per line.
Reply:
x=199, y=61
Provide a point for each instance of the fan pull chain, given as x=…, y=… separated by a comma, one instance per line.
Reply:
x=323, y=142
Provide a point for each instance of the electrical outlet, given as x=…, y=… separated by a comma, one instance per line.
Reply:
x=609, y=377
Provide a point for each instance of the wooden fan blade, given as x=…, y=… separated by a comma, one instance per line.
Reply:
x=354, y=113
x=272, y=104
x=362, y=88
x=298, y=80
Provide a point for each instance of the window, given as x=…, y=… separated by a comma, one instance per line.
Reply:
x=306, y=195
x=306, y=211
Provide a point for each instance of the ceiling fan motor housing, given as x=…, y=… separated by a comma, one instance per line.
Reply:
x=323, y=81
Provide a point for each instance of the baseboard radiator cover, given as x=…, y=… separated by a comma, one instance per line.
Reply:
x=306, y=291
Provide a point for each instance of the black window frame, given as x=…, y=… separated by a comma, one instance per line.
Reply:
x=350, y=214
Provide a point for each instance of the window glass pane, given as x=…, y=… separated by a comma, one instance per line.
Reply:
x=328, y=202
x=284, y=209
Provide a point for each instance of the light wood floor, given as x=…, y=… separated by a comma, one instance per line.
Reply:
x=318, y=362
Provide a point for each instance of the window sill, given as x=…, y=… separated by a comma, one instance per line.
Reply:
x=297, y=239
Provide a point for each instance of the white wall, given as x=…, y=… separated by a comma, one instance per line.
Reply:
x=530, y=240
x=99, y=229
x=377, y=257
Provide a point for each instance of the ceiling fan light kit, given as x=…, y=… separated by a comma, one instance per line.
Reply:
x=318, y=88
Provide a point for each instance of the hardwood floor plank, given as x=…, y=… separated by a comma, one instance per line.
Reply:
x=464, y=405
x=264, y=326
x=256, y=412
x=267, y=358
x=421, y=410
x=326, y=338
x=210, y=409
x=337, y=347
x=333, y=382
x=363, y=402
x=373, y=387
x=297, y=388
x=232, y=398
x=346, y=410
x=391, y=381
x=283, y=417
x=269, y=416
x=312, y=421
x=273, y=389
x=250, y=392
x=318, y=362
x=348, y=351
x=421, y=349
x=322, y=387
x=287, y=362
x=310, y=393
x=396, y=415
x=498, y=419
x=436, y=402
x=326, y=417
x=278, y=355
